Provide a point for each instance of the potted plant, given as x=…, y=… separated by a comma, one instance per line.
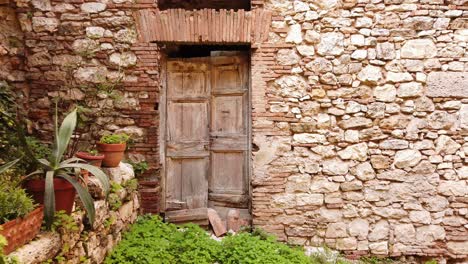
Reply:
x=92, y=157
x=20, y=218
x=113, y=147
x=55, y=183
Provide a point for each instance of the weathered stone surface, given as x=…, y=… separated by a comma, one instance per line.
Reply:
x=394, y=144
x=355, y=122
x=427, y=234
x=45, y=24
x=121, y=174
x=380, y=231
x=323, y=185
x=370, y=74
x=407, y=158
x=419, y=49
x=309, y=138
x=452, y=188
x=446, y=145
x=379, y=248
x=336, y=230
x=411, y=89
x=305, y=199
x=354, y=152
x=287, y=57
x=335, y=167
x=331, y=44
x=124, y=59
x=365, y=172
x=349, y=243
x=93, y=7
x=447, y=84
x=405, y=233
x=359, y=228
x=385, y=93
x=294, y=34
x=44, y=247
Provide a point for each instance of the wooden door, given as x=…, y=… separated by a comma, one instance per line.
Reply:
x=207, y=128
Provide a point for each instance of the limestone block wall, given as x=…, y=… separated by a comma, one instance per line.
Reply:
x=360, y=113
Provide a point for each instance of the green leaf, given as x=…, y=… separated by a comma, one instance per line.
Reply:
x=44, y=162
x=85, y=197
x=8, y=165
x=49, y=199
x=63, y=137
x=72, y=160
x=100, y=175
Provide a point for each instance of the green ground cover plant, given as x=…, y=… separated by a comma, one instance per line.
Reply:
x=152, y=241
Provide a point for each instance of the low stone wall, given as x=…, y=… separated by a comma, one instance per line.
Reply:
x=80, y=243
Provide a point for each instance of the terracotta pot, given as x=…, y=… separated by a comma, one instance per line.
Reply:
x=64, y=193
x=95, y=160
x=113, y=153
x=22, y=230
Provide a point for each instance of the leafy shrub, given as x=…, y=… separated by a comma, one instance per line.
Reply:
x=14, y=202
x=152, y=241
x=131, y=185
x=115, y=138
x=250, y=249
x=114, y=201
x=139, y=167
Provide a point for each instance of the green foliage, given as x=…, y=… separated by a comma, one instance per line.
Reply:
x=139, y=167
x=115, y=187
x=38, y=148
x=250, y=249
x=64, y=221
x=152, y=241
x=432, y=261
x=4, y=259
x=14, y=202
x=131, y=185
x=115, y=138
x=114, y=201
x=375, y=260
x=57, y=166
x=93, y=152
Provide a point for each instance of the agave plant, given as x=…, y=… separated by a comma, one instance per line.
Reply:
x=68, y=169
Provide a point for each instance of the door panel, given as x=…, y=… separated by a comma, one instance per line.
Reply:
x=228, y=115
x=187, y=121
x=206, y=143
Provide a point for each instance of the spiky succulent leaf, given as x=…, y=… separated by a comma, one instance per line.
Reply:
x=63, y=136
x=84, y=195
x=49, y=199
x=98, y=173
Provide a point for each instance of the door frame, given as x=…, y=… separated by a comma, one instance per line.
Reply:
x=163, y=128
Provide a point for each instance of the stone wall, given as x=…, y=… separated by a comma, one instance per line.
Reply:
x=360, y=112
x=360, y=120
x=77, y=241
x=12, y=51
x=86, y=54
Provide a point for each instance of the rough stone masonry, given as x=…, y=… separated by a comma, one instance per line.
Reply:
x=359, y=108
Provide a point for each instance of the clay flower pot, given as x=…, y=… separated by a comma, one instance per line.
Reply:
x=95, y=160
x=113, y=153
x=64, y=193
x=22, y=230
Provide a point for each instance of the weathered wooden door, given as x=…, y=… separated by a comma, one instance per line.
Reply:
x=207, y=128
